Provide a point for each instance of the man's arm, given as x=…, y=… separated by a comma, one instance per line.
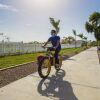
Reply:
x=46, y=44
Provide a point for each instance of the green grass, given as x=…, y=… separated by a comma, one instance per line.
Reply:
x=8, y=61
x=71, y=51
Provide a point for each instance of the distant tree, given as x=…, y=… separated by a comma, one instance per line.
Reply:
x=55, y=24
x=36, y=42
x=93, y=25
x=69, y=39
x=63, y=40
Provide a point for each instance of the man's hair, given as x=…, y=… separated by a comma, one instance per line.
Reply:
x=53, y=31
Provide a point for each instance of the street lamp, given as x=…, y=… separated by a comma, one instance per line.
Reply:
x=2, y=34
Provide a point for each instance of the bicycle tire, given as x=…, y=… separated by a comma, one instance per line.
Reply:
x=40, y=68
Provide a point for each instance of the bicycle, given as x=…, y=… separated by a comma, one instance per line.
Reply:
x=45, y=63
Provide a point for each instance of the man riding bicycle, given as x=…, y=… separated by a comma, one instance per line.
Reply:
x=56, y=46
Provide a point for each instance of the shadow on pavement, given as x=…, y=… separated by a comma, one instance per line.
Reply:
x=66, y=57
x=56, y=88
x=71, y=59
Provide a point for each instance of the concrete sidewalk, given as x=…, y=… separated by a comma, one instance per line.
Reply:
x=79, y=79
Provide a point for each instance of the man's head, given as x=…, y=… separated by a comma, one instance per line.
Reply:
x=53, y=32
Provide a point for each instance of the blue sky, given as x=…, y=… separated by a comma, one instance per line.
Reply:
x=28, y=20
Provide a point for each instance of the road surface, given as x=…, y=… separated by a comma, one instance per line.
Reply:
x=79, y=79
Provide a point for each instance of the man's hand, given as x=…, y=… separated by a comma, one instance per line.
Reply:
x=54, y=48
x=45, y=44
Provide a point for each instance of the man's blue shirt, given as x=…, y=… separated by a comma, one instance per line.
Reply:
x=54, y=40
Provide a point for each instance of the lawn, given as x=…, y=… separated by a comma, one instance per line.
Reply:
x=8, y=61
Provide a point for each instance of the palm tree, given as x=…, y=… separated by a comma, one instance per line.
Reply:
x=74, y=32
x=85, y=38
x=55, y=24
x=81, y=36
x=93, y=25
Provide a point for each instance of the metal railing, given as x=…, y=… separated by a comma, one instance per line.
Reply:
x=12, y=48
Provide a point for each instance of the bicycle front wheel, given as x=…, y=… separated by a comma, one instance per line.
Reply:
x=44, y=68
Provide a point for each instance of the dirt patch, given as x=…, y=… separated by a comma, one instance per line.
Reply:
x=11, y=74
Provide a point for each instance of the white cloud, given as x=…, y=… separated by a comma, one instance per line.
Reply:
x=8, y=7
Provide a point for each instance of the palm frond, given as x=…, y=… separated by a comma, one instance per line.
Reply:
x=74, y=32
x=81, y=35
x=89, y=27
x=55, y=24
x=94, y=17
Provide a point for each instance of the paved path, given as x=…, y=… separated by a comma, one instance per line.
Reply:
x=79, y=80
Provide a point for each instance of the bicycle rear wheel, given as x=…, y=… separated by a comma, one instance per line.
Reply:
x=44, y=68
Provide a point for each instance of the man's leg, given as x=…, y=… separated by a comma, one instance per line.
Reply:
x=56, y=56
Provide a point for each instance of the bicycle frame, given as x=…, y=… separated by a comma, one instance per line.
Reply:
x=45, y=62
x=48, y=55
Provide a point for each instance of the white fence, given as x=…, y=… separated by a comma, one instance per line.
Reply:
x=8, y=48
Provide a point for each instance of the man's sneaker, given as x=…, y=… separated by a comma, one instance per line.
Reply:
x=57, y=67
